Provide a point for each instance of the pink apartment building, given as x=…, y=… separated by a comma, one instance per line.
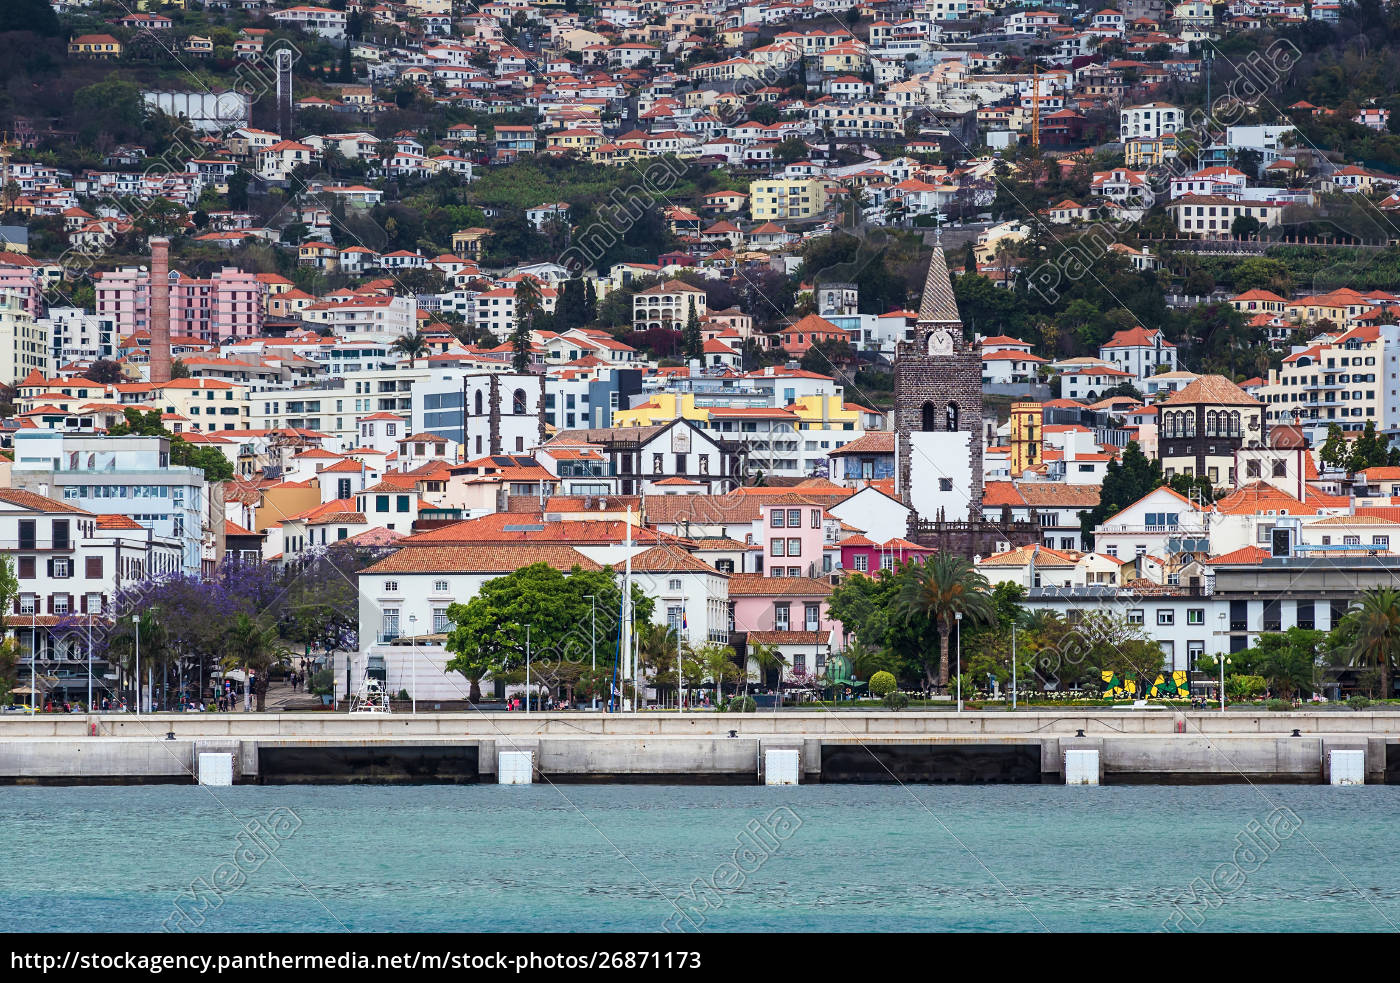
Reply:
x=230, y=304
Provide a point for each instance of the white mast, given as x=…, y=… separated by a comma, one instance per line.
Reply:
x=628, y=658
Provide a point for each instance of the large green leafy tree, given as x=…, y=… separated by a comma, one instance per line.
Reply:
x=1287, y=661
x=942, y=588
x=1125, y=481
x=253, y=647
x=9, y=648
x=987, y=646
x=488, y=635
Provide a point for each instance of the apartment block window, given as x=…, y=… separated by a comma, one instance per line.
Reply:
x=781, y=616
x=777, y=547
x=61, y=603
x=779, y=519
x=674, y=584
x=28, y=535
x=92, y=567
x=28, y=603
x=391, y=622
x=439, y=586
x=1135, y=616
x=1166, y=617
x=794, y=518
x=816, y=519
x=812, y=616
x=794, y=547
x=26, y=568
x=1382, y=541
x=391, y=586
x=861, y=562
x=60, y=534
x=1195, y=616
x=60, y=568
x=440, y=622
x=403, y=503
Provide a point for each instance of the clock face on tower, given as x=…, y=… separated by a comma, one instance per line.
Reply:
x=940, y=342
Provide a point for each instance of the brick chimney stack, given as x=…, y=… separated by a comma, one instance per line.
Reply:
x=160, y=309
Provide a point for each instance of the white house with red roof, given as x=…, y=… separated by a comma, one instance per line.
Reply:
x=1141, y=352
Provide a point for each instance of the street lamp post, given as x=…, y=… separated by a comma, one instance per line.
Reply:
x=527, y=668
x=957, y=618
x=1222, y=659
x=412, y=667
x=136, y=620
x=593, y=657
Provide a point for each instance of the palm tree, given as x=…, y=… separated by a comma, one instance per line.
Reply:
x=766, y=658
x=942, y=588
x=658, y=648
x=249, y=646
x=413, y=345
x=717, y=661
x=154, y=646
x=1375, y=623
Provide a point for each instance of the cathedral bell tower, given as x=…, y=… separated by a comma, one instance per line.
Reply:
x=938, y=409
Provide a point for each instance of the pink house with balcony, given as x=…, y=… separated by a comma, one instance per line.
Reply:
x=790, y=613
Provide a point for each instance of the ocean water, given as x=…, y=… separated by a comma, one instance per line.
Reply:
x=750, y=859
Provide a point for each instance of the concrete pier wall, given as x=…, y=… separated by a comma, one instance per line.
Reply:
x=851, y=747
x=817, y=723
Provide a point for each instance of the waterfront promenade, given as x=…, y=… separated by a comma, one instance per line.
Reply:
x=1133, y=745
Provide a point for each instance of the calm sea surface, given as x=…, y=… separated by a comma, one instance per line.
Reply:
x=619, y=858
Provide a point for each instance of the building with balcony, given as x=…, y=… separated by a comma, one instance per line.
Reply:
x=786, y=198
x=667, y=305
x=1203, y=425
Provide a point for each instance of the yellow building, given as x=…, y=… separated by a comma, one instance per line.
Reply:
x=95, y=46
x=826, y=412
x=786, y=198
x=1143, y=152
x=1027, y=436
x=663, y=408
x=575, y=139
x=209, y=404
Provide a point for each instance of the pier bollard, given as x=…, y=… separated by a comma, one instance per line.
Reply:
x=1347, y=767
x=780, y=767
x=515, y=767
x=215, y=768
x=1081, y=767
